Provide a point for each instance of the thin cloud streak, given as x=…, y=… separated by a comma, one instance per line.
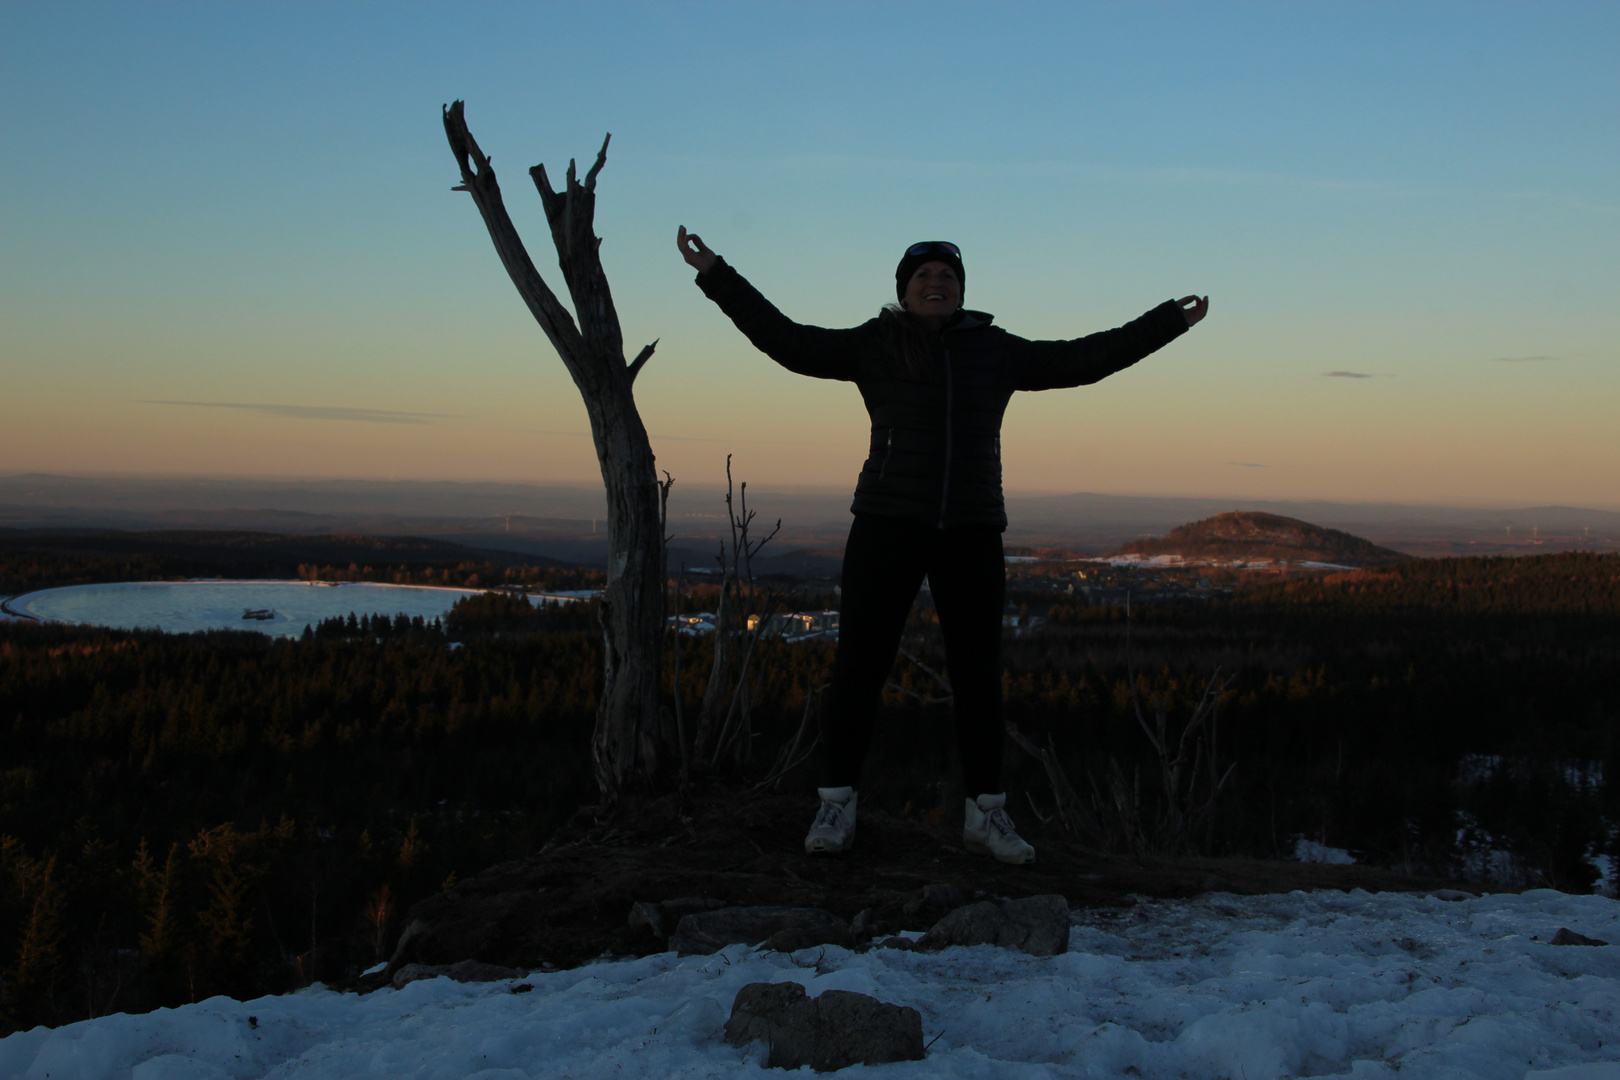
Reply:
x=1346, y=375
x=1522, y=359
x=684, y=438
x=318, y=412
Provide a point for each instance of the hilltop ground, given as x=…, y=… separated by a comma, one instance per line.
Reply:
x=570, y=902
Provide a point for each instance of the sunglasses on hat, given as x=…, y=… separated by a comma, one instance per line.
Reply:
x=929, y=246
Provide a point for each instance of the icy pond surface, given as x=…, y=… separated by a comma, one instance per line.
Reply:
x=184, y=606
x=1221, y=987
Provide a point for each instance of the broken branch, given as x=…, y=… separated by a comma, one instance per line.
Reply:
x=641, y=359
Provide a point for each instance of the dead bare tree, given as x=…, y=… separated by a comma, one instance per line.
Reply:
x=717, y=691
x=1182, y=759
x=629, y=741
x=672, y=604
x=1070, y=814
x=740, y=628
x=795, y=751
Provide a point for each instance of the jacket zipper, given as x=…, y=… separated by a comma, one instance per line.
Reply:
x=888, y=449
x=945, y=486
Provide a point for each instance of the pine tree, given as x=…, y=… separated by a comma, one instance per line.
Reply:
x=162, y=941
x=226, y=922
x=30, y=989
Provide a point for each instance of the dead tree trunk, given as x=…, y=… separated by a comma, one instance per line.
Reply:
x=627, y=743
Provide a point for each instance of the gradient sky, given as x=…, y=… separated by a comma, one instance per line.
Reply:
x=228, y=244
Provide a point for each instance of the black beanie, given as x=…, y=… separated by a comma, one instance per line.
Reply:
x=928, y=251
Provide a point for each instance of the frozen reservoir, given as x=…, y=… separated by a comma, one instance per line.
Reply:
x=279, y=608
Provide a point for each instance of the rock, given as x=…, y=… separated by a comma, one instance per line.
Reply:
x=864, y=925
x=649, y=915
x=656, y=917
x=832, y=1031
x=505, y=926
x=686, y=905
x=470, y=971
x=1038, y=925
x=942, y=898
x=1566, y=936
x=905, y=944
x=412, y=972
x=1451, y=895
x=795, y=938
x=704, y=932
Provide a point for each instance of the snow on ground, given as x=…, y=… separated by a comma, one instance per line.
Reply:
x=1311, y=851
x=1303, y=984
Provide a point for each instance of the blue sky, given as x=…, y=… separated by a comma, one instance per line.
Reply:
x=248, y=205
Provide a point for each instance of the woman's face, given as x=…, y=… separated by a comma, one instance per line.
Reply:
x=933, y=291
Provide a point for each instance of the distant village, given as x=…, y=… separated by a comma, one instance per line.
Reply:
x=1036, y=581
x=1198, y=561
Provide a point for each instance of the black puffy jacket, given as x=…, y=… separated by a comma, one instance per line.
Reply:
x=936, y=441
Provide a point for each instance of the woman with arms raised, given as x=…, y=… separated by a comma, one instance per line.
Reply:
x=936, y=378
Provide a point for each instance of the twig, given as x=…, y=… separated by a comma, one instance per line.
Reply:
x=942, y=680
x=924, y=698
x=822, y=955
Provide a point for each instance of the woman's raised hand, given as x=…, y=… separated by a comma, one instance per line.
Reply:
x=1193, y=307
x=695, y=251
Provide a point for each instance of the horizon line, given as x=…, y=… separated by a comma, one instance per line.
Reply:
x=841, y=490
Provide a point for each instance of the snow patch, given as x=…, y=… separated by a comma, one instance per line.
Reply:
x=1358, y=984
x=1311, y=851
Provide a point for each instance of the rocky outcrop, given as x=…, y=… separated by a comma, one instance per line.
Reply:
x=661, y=917
x=835, y=1030
x=707, y=932
x=568, y=903
x=935, y=899
x=1038, y=925
x=444, y=928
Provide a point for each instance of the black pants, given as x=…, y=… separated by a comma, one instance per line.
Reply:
x=884, y=564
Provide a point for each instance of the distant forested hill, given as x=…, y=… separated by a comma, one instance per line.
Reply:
x=1248, y=534
x=31, y=561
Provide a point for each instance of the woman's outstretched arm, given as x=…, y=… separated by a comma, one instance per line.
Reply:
x=806, y=350
x=1048, y=365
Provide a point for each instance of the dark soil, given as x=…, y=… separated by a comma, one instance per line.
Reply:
x=570, y=902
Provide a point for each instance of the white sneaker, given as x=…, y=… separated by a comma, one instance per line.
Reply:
x=834, y=827
x=987, y=830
